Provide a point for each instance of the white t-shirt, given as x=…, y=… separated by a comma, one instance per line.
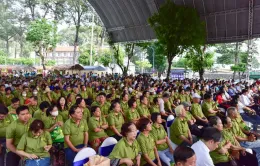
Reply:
x=245, y=100
x=240, y=107
x=161, y=105
x=202, y=154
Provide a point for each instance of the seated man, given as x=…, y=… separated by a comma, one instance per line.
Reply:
x=14, y=132
x=76, y=134
x=180, y=132
x=211, y=138
x=4, y=122
x=246, y=140
x=197, y=111
x=194, y=129
x=209, y=107
x=184, y=156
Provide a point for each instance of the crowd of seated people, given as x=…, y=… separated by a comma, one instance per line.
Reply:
x=47, y=121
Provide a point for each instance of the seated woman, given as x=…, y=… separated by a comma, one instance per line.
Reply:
x=150, y=156
x=245, y=158
x=63, y=108
x=53, y=123
x=115, y=121
x=180, y=132
x=162, y=142
x=35, y=144
x=127, y=150
x=97, y=126
x=132, y=114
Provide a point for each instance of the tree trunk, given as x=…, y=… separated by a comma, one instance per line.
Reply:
x=7, y=47
x=169, y=58
x=201, y=73
x=76, y=44
x=43, y=62
x=21, y=49
x=102, y=37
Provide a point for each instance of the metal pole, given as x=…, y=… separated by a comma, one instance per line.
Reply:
x=153, y=59
x=92, y=32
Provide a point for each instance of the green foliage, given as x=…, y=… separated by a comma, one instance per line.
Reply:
x=17, y=61
x=241, y=67
x=7, y=27
x=84, y=57
x=198, y=61
x=106, y=58
x=181, y=63
x=228, y=52
x=51, y=63
x=178, y=28
x=160, y=61
x=43, y=36
x=144, y=64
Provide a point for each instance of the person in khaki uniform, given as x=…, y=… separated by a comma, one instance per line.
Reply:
x=35, y=145
x=143, y=108
x=4, y=123
x=8, y=97
x=15, y=131
x=97, y=126
x=115, y=121
x=131, y=114
x=80, y=102
x=83, y=92
x=155, y=106
x=63, y=108
x=76, y=134
x=196, y=111
x=12, y=109
x=162, y=141
x=104, y=106
x=180, y=132
x=127, y=151
x=53, y=123
x=150, y=156
x=124, y=102
x=208, y=107
x=40, y=114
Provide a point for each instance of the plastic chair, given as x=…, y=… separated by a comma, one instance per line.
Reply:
x=82, y=156
x=169, y=122
x=107, y=146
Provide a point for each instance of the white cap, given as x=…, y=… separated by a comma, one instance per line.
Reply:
x=196, y=95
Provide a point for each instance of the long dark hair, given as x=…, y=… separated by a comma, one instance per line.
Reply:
x=59, y=106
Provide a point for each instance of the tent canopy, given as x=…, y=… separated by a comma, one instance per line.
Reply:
x=226, y=20
x=92, y=68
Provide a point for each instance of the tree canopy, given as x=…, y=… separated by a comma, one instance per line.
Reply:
x=177, y=28
x=43, y=36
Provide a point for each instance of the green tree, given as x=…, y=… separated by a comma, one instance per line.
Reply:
x=106, y=58
x=181, y=63
x=156, y=54
x=43, y=36
x=178, y=28
x=145, y=64
x=76, y=13
x=7, y=26
x=84, y=57
x=51, y=63
x=199, y=60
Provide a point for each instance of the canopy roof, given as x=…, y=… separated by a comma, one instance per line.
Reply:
x=226, y=20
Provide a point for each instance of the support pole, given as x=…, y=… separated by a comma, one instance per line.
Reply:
x=250, y=35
